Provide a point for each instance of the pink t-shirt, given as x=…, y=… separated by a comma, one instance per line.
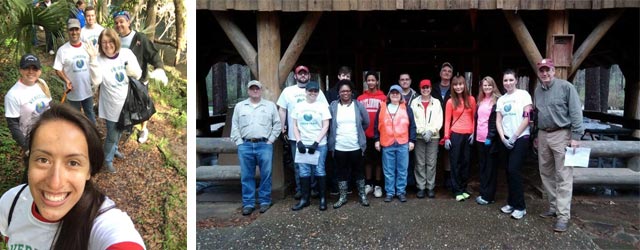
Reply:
x=484, y=111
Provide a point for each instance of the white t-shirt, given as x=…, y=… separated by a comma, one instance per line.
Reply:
x=289, y=97
x=25, y=102
x=511, y=106
x=91, y=35
x=113, y=76
x=28, y=230
x=74, y=62
x=309, y=117
x=346, y=131
x=125, y=41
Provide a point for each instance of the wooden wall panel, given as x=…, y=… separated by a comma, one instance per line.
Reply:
x=370, y=5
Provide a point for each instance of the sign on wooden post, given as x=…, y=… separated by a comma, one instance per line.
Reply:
x=562, y=50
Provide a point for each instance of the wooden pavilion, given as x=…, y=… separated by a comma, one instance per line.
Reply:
x=478, y=37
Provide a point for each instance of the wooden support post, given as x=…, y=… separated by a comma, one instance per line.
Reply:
x=558, y=25
x=593, y=39
x=238, y=39
x=268, y=29
x=524, y=38
x=298, y=42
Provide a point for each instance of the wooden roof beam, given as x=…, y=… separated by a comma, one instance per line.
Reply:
x=593, y=39
x=239, y=40
x=297, y=44
x=524, y=38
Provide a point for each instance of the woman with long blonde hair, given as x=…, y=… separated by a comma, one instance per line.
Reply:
x=486, y=132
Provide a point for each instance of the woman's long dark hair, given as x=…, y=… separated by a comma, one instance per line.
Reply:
x=455, y=97
x=75, y=227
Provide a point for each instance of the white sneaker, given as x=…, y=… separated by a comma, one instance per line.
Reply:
x=143, y=135
x=518, y=214
x=377, y=192
x=51, y=52
x=507, y=209
x=368, y=189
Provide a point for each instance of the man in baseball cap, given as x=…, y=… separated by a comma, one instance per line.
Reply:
x=301, y=68
x=545, y=63
x=73, y=23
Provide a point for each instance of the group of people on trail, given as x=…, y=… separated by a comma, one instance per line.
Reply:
x=61, y=146
x=378, y=143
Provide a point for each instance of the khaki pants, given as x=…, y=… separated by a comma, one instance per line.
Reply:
x=557, y=178
x=425, y=168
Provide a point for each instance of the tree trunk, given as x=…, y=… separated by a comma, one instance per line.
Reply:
x=151, y=18
x=181, y=27
x=605, y=72
x=592, y=89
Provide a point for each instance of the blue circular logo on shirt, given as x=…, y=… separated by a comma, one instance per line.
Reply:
x=40, y=107
x=307, y=117
x=119, y=76
x=80, y=64
x=507, y=108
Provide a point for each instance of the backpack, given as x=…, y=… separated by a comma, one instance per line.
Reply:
x=13, y=205
x=138, y=107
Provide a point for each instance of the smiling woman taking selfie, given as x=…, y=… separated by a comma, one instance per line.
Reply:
x=59, y=207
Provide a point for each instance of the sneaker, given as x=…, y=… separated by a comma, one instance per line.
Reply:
x=118, y=155
x=548, y=214
x=377, y=192
x=247, y=210
x=51, y=52
x=561, y=226
x=368, y=189
x=143, y=135
x=389, y=198
x=264, y=208
x=459, y=197
x=507, y=209
x=518, y=214
x=482, y=201
x=109, y=167
x=466, y=195
x=402, y=198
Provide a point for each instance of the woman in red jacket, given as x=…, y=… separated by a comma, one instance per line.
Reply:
x=458, y=135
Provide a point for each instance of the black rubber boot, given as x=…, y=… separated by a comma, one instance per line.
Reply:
x=361, y=193
x=322, y=189
x=305, y=187
x=342, y=188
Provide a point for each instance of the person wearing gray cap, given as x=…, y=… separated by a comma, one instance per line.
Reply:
x=72, y=66
x=310, y=126
x=395, y=136
x=255, y=125
x=559, y=124
x=26, y=100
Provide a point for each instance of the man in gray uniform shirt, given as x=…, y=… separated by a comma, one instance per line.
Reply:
x=254, y=127
x=559, y=125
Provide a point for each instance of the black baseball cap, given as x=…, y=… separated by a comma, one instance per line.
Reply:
x=29, y=60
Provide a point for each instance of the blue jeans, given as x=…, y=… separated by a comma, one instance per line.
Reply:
x=296, y=167
x=251, y=154
x=395, y=165
x=318, y=170
x=87, y=106
x=111, y=140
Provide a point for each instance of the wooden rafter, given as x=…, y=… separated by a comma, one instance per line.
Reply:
x=524, y=38
x=593, y=39
x=298, y=42
x=239, y=40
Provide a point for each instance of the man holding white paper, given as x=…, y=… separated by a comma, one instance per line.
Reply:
x=559, y=125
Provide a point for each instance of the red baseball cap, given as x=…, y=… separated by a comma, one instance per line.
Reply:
x=301, y=68
x=545, y=63
x=425, y=82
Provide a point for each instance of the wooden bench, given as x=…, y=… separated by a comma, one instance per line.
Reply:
x=209, y=145
x=628, y=150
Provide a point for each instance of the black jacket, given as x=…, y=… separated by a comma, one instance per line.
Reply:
x=492, y=134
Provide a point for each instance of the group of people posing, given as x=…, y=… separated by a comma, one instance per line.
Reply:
x=62, y=147
x=374, y=135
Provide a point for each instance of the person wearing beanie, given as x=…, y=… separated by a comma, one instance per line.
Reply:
x=146, y=53
x=395, y=135
x=371, y=99
x=428, y=116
